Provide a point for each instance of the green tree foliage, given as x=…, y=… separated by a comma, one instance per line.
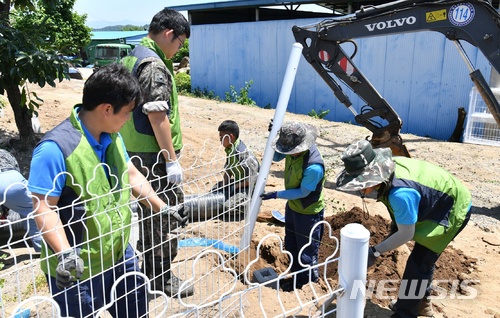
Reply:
x=183, y=83
x=64, y=30
x=130, y=27
x=184, y=51
x=27, y=57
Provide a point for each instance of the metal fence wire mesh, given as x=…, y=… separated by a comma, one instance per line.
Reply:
x=228, y=279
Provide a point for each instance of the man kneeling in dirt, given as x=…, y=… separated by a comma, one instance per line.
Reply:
x=425, y=202
x=15, y=196
x=231, y=193
x=241, y=166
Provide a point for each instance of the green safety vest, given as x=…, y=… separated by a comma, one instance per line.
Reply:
x=294, y=170
x=444, y=204
x=137, y=131
x=234, y=157
x=95, y=206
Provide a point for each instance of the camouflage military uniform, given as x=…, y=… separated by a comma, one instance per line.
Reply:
x=7, y=162
x=13, y=186
x=156, y=240
x=155, y=74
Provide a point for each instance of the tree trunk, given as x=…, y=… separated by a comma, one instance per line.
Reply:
x=5, y=9
x=22, y=118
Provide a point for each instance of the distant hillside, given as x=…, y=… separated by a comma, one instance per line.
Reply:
x=128, y=27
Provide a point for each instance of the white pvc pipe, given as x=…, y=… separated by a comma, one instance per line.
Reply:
x=354, y=243
x=279, y=114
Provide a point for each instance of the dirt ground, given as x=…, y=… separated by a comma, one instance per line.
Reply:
x=473, y=255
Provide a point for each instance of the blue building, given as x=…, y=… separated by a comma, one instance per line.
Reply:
x=421, y=75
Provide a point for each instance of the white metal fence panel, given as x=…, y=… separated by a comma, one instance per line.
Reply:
x=209, y=258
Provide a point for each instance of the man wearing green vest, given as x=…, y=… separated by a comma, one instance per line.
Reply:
x=241, y=165
x=304, y=180
x=153, y=135
x=81, y=179
x=426, y=203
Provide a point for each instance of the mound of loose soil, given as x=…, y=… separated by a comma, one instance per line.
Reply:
x=453, y=264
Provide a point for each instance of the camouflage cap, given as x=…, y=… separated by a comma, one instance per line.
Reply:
x=364, y=167
x=294, y=137
x=7, y=160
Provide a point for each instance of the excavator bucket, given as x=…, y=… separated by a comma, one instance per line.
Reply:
x=395, y=143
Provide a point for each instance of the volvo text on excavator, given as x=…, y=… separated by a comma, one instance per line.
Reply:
x=473, y=21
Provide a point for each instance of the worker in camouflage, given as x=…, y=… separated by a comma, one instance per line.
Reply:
x=426, y=203
x=305, y=206
x=15, y=196
x=154, y=142
x=367, y=167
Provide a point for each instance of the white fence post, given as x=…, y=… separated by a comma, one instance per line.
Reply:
x=286, y=90
x=354, y=241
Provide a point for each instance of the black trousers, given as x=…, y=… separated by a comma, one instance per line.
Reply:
x=417, y=278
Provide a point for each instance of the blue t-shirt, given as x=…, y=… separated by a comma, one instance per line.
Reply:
x=50, y=166
x=310, y=179
x=404, y=203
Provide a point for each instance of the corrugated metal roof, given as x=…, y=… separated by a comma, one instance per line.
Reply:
x=236, y=4
x=340, y=6
x=113, y=35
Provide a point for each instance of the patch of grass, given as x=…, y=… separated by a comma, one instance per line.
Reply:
x=322, y=113
x=40, y=284
x=3, y=102
x=337, y=206
x=242, y=97
x=203, y=93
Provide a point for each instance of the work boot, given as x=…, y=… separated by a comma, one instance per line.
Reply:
x=426, y=308
x=165, y=281
x=172, y=287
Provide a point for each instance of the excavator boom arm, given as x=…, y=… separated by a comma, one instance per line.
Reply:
x=475, y=22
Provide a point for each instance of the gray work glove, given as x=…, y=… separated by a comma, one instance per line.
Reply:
x=177, y=212
x=69, y=269
x=174, y=172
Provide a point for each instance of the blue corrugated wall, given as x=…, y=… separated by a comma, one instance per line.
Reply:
x=422, y=75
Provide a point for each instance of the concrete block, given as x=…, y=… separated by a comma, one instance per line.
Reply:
x=265, y=275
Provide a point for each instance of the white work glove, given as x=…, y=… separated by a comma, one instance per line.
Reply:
x=174, y=172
